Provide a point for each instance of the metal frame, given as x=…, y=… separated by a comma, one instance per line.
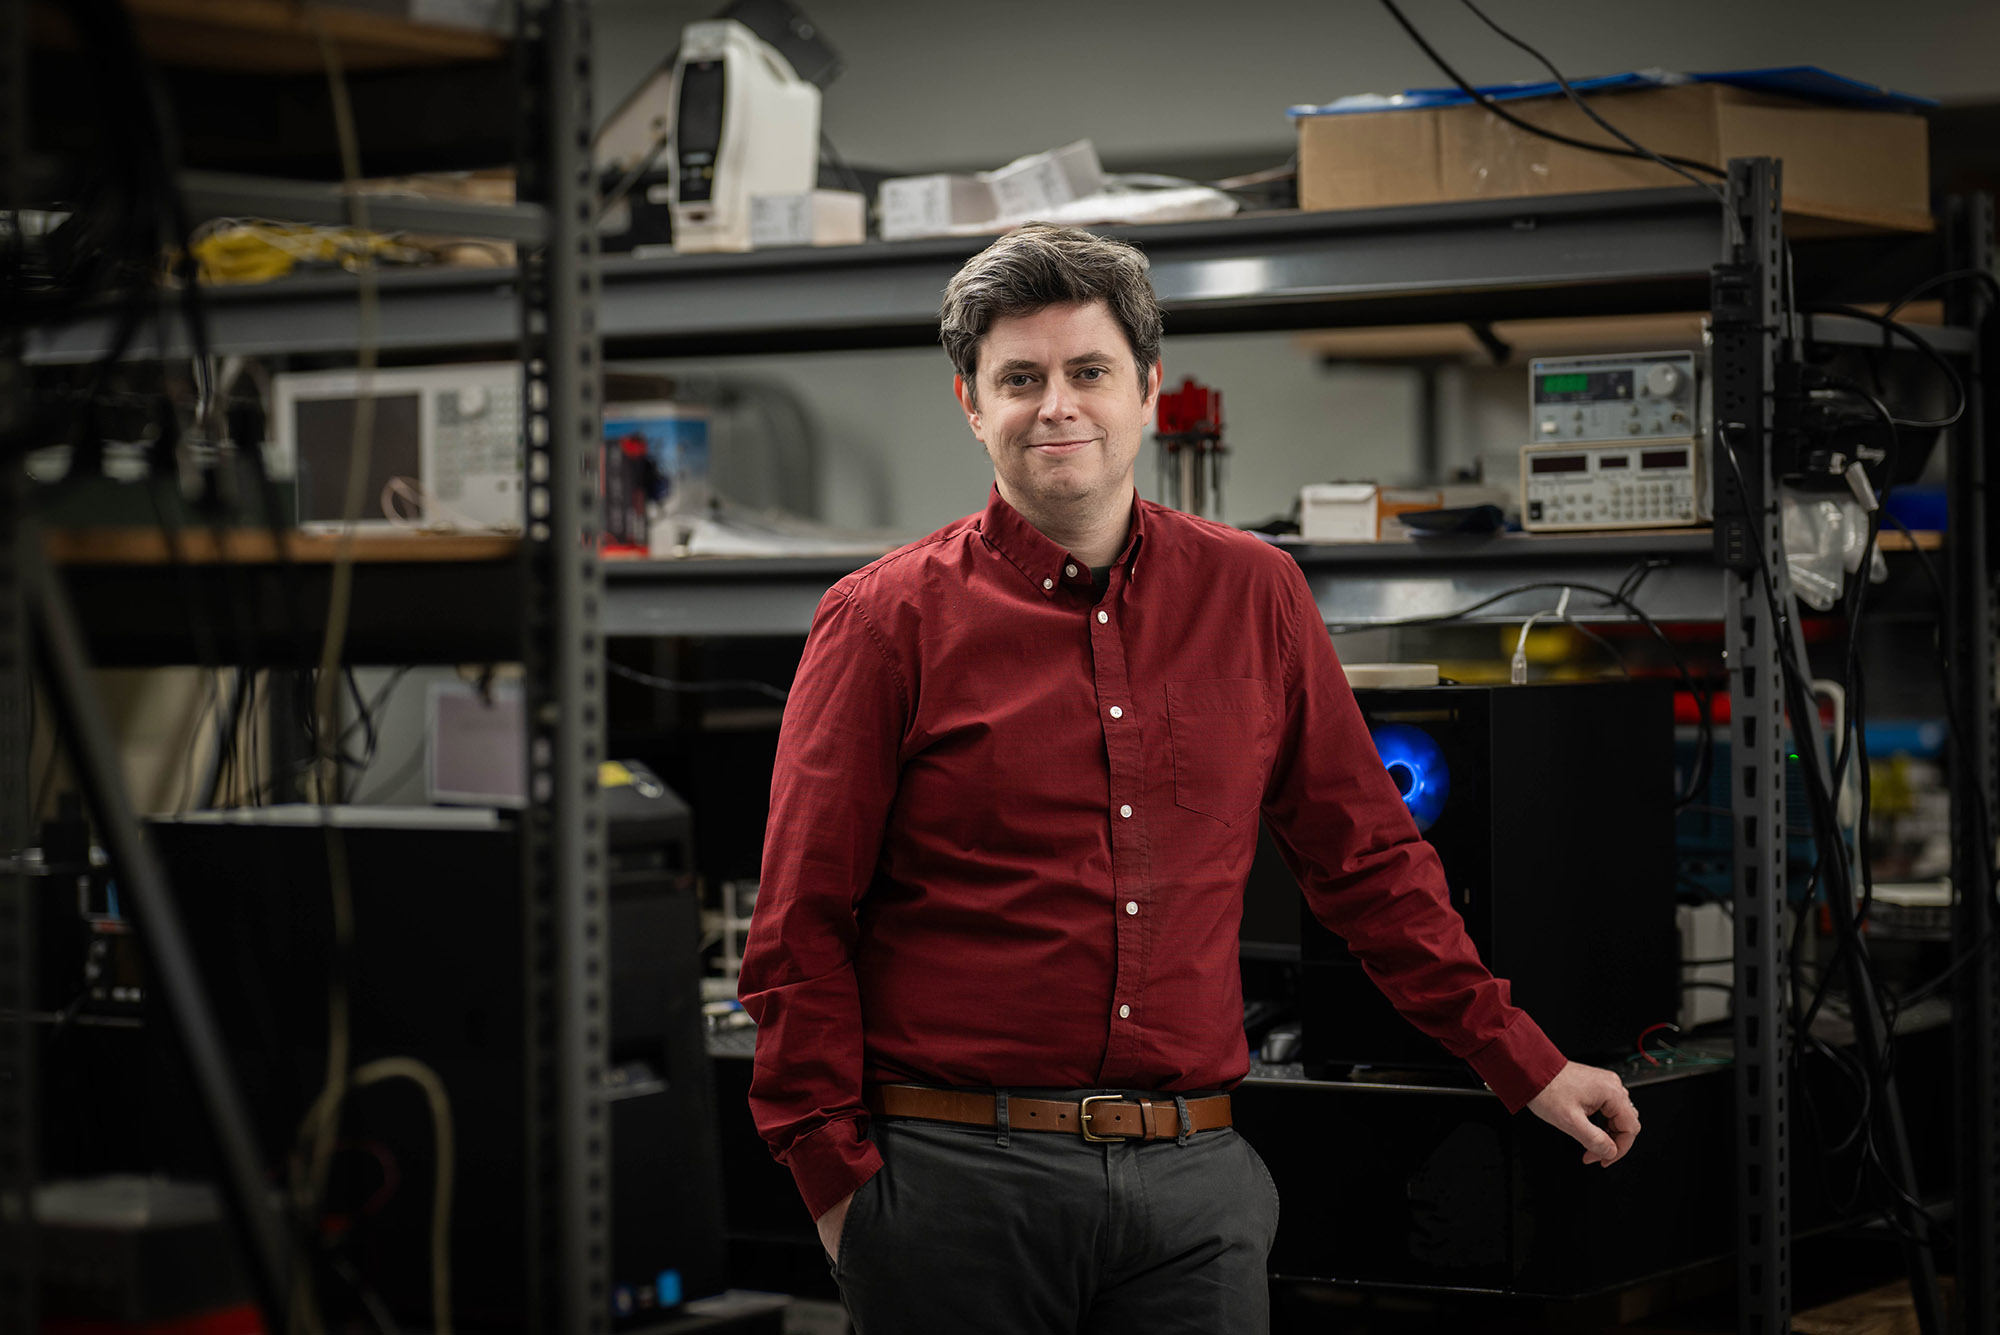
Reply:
x=18, y=1297
x=568, y=1160
x=1747, y=315
x=1620, y=251
x=63, y=667
x=1969, y=626
x=17, y=950
x=556, y=637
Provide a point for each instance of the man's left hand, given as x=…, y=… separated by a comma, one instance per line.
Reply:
x=1577, y=1092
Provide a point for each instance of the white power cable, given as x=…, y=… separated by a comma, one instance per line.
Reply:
x=1517, y=671
x=325, y=1113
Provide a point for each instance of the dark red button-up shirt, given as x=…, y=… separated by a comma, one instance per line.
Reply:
x=1011, y=820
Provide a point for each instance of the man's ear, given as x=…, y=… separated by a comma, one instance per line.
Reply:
x=1151, y=399
x=963, y=393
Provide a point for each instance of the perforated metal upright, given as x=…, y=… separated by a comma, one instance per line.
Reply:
x=563, y=654
x=1748, y=315
x=1971, y=620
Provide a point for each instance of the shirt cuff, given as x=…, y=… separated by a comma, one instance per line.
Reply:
x=1519, y=1063
x=831, y=1164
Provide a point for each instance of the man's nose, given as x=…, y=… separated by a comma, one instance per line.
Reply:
x=1058, y=401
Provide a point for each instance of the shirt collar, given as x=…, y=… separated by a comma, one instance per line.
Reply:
x=1045, y=564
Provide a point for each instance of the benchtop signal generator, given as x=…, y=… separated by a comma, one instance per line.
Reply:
x=1615, y=442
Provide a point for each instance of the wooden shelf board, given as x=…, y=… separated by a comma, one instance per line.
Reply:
x=139, y=546
x=279, y=37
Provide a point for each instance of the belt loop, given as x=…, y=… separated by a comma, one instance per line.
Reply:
x=1000, y=1117
x=1187, y=1123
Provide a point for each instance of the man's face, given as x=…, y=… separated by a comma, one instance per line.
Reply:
x=1060, y=409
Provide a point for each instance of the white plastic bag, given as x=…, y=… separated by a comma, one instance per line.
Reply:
x=1824, y=535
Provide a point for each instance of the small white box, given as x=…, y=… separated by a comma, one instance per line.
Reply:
x=816, y=218
x=914, y=206
x=1039, y=184
x=1359, y=511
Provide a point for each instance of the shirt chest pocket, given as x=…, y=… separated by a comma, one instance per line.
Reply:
x=1219, y=732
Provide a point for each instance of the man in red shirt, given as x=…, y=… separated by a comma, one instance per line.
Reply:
x=1016, y=797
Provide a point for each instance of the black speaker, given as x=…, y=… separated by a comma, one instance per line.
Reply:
x=1551, y=810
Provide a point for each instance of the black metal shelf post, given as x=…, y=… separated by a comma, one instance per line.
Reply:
x=1969, y=627
x=1747, y=314
x=568, y=1168
x=17, y=1053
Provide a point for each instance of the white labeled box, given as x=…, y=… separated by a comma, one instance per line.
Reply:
x=815, y=218
x=914, y=206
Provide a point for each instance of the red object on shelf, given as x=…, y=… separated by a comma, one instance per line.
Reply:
x=1191, y=410
x=1687, y=709
x=243, y=1319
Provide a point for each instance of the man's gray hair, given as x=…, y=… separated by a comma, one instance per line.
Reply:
x=1041, y=266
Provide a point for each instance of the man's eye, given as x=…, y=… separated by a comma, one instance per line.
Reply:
x=1091, y=373
x=1016, y=381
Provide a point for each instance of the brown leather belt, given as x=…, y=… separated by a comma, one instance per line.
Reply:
x=1099, y=1117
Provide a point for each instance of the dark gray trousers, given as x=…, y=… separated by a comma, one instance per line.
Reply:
x=1036, y=1233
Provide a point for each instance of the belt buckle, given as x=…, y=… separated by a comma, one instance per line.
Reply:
x=1083, y=1116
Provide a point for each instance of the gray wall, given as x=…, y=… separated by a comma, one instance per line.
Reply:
x=1167, y=84
x=895, y=451
x=945, y=83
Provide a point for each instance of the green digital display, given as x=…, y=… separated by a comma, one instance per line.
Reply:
x=1565, y=384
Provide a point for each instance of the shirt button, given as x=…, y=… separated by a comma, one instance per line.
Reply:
x=1103, y=617
x=1124, y=1012
x=1070, y=570
x=1116, y=712
x=1048, y=584
x=1132, y=908
x=1126, y=812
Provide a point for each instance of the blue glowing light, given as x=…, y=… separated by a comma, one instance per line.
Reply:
x=1415, y=762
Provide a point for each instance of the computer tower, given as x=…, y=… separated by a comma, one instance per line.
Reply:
x=1551, y=808
x=436, y=972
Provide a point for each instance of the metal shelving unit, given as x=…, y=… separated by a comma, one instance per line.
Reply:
x=536, y=601
x=1355, y=585
x=1626, y=252
x=1641, y=250
x=1638, y=251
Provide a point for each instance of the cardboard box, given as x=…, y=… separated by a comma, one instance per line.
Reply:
x=1852, y=169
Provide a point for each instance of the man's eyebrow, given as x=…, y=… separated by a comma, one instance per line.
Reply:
x=1017, y=364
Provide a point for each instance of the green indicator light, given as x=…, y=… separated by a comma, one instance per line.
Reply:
x=1565, y=384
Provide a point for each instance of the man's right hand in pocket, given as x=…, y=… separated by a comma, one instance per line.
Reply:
x=830, y=1225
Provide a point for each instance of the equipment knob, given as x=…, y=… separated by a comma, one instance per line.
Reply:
x=1663, y=379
